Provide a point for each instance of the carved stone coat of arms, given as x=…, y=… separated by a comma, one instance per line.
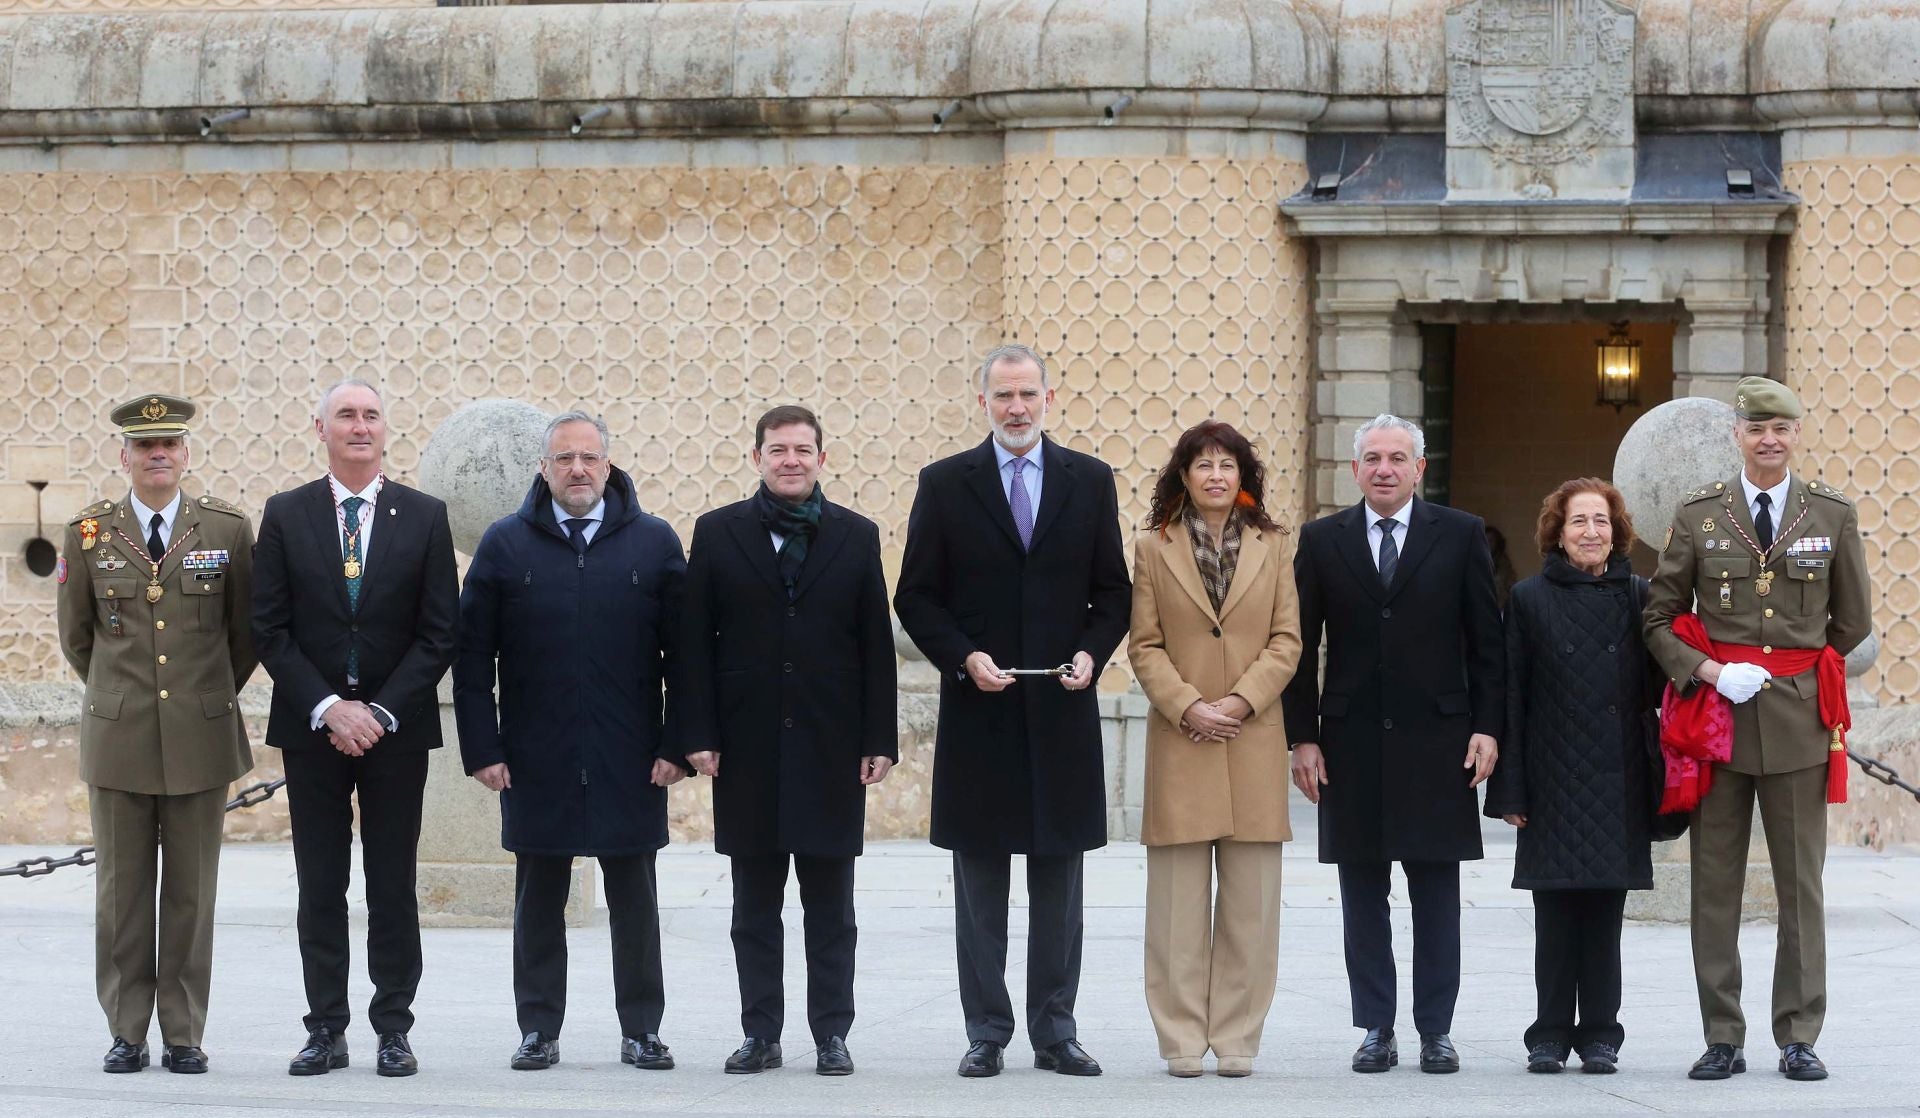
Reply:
x=1539, y=82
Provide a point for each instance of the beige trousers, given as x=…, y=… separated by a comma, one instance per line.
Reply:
x=1212, y=957
x=149, y=956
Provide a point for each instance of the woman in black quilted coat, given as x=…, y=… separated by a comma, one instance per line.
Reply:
x=1576, y=771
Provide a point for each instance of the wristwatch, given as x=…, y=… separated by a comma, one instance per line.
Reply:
x=387, y=721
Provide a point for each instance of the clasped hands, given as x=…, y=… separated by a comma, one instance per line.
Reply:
x=1219, y=720
x=351, y=727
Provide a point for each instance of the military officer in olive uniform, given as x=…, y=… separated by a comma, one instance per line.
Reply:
x=1773, y=566
x=154, y=593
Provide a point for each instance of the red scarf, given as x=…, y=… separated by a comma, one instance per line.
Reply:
x=1696, y=730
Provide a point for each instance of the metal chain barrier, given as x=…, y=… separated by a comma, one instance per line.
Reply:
x=1883, y=773
x=249, y=796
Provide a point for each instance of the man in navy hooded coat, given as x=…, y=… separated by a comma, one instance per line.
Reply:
x=576, y=597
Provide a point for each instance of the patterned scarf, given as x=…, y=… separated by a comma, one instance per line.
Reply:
x=797, y=524
x=1216, y=566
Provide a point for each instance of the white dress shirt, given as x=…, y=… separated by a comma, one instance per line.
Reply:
x=1777, y=495
x=1030, y=477
x=340, y=494
x=593, y=517
x=146, y=514
x=1402, y=521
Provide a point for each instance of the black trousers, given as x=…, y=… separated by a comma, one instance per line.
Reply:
x=1576, y=965
x=1055, y=929
x=759, y=942
x=321, y=787
x=540, y=942
x=1433, y=889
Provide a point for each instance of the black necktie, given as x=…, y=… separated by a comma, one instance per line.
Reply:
x=156, y=547
x=1763, y=524
x=577, y=532
x=1389, y=552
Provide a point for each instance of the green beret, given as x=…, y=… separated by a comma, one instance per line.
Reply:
x=155, y=416
x=1764, y=398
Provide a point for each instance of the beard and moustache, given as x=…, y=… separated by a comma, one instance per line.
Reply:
x=1019, y=441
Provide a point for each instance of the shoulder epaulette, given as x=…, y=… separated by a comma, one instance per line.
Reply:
x=1827, y=491
x=215, y=504
x=1704, y=493
x=98, y=508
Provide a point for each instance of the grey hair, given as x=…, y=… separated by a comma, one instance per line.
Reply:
x=574, y=416
x=1011, y=353
x=1384, y=422
x=320, y=409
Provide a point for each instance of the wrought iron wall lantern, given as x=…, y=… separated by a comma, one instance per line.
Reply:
x=1617, y=369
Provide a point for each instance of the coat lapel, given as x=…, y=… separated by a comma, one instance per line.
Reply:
x=1253, y=556
x=1052, y=496
x=983, y=477
x=187, y=520
x=325, y=523
x=1421, y=530
x=751, y=535
x=1351, y=541
x=388, y=517
x=826, y=543
x=1178, y=549
x=120, y=520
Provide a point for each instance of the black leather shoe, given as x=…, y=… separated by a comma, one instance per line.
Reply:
x=753, y=1056
x=1600, y=1059
x=982, y=1061
x=1719, y=1061
x=537, y=1052
x=396, y=1056
x=1797, y=1061
x=1546, y=1059
x=1437, y=1056
x=833, y=1058
x=323, y=1053
x=184, y=1059
x=1376, y=1053
x=1067, y=1058
x=125, y=1056
x=647, y=1053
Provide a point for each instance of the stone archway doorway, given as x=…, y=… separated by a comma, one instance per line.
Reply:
x=1509, y=404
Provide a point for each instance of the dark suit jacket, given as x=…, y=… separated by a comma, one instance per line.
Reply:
x=1413, y=670
x=792, y=694
x=404, y=627
x=1019, y=771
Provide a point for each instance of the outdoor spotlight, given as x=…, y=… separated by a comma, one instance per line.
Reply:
x=211, y=124
x=940, y=119
x=1739, y=182
x=1327, y=187
x=1118, y=107
x=581, y=120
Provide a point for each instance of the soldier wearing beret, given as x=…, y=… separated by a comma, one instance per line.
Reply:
x=154, y=593
x=1760, y=593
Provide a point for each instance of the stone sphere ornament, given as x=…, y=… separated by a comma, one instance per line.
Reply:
x=480, y=462
x=1675, y=448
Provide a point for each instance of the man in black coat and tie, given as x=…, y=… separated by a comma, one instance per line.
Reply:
x=789, y=705
x=576, y=599
x=355, y=605
x=1404, y=728
x=1013, y=563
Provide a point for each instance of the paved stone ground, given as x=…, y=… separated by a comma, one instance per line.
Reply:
x=908, y=1036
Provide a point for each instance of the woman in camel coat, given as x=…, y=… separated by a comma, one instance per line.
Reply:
x=1215, y=638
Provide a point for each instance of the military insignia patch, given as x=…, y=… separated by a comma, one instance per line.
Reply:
x=89, y=533
x=60, y=571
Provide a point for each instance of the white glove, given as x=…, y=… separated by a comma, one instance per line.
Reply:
x=1740, y=682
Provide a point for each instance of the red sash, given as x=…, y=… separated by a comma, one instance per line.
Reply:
x=1696, y=730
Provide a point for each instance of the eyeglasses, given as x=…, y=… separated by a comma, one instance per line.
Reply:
x=566, y=461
